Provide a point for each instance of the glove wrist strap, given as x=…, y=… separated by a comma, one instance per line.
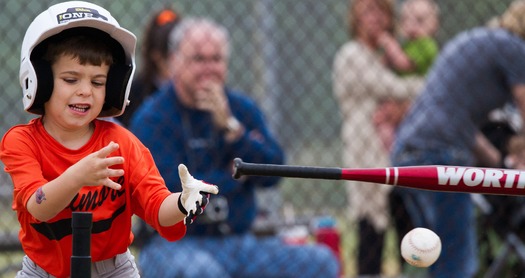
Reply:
x=181, y=207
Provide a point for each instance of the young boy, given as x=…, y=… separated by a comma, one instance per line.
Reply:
x=76, y=66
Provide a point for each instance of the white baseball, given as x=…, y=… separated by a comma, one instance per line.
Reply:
x=421, y=247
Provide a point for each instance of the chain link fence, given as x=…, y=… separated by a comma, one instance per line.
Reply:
x=283, y=52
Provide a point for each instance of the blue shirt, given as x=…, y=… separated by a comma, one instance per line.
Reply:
x=176, y=134
x=473, y=75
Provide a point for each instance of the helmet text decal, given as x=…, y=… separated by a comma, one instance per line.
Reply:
x=79, y=13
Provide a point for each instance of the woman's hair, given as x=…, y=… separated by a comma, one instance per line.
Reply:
x=385, y=5
x=155, y=41
x=513, y=19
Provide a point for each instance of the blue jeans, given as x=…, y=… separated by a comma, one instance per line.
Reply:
x=450, y=215
x=235, y=256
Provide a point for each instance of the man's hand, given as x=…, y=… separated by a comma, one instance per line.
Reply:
x=212, y=98
x=195, y=194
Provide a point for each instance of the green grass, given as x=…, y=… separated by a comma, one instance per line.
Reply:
x=10, y=263
x=349, y=244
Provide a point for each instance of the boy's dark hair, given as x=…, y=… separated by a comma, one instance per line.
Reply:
x=85, y=49
x=90, y=46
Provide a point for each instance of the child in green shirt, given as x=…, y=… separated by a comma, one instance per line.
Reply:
x=419, y=21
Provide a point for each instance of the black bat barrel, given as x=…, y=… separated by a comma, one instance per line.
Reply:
x=81, y=256
x=241, y=168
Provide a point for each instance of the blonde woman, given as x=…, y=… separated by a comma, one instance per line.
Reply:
x=476, y=72
x=361, y=81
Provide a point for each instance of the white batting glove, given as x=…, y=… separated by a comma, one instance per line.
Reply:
x=195, y=195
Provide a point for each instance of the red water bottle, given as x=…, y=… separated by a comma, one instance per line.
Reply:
x=326, y=233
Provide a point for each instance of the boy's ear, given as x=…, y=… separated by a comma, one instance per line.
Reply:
x=44, y=88
x=116, y=89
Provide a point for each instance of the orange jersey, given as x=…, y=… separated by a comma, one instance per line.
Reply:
x=32, y=158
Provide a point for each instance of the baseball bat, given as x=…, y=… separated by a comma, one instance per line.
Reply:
x=81, y=224
x=429, y=177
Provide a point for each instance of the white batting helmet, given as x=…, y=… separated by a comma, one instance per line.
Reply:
x=36, y=77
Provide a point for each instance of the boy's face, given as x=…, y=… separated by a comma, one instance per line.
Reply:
x=418, y=19
x=78, y=93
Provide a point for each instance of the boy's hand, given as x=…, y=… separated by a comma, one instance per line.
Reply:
x=94, y=169
x=195, y=194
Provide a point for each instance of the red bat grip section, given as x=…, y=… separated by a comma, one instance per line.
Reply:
x=445, y=178
x=401, y=176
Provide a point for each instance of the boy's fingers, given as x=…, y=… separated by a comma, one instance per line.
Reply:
x=111, y=184
x=183, y=173
x=187, y=179
x=115, y=172
x=110, y=161
x=107, y=150
x=209, y=188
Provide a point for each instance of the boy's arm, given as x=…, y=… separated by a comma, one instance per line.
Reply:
x=93, y=170
x=395, y=55
x=187, y=204
x=169, y=213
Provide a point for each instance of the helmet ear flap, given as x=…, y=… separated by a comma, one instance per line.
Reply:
x=44, y=77
x=119, y=77
x=116, y=87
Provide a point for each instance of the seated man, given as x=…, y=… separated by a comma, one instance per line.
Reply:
x=198, y=121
